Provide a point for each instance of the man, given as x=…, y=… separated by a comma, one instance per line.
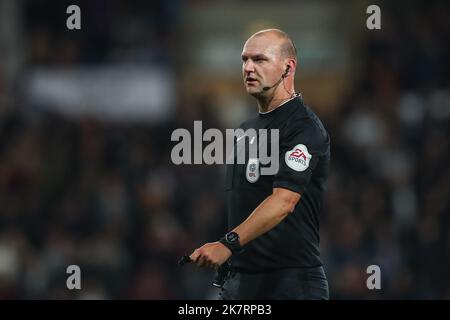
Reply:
x=274, y=239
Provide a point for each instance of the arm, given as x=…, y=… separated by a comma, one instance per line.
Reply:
x=265, y=217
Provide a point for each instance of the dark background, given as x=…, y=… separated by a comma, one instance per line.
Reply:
x=85, y=171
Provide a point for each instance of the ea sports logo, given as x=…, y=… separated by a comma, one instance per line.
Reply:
x=298, y=158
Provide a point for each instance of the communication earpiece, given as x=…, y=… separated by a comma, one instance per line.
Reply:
x=284, y=75
x=286, y=72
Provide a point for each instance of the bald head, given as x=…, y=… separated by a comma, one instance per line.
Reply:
x=285, y=44
x=269, y=60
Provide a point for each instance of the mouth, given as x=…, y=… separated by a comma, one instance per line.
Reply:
x=250, y=80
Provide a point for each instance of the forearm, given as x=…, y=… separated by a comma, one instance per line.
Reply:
x=265, y=217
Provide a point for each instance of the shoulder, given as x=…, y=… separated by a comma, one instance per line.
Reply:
x=305, y=123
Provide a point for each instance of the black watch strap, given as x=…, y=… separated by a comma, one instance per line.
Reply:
x=231, y=241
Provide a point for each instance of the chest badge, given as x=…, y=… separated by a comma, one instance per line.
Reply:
x=252, y=172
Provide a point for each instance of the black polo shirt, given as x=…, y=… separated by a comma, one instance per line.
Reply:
x=304, y=159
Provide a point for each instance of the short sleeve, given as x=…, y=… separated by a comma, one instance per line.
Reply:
x=299, y=153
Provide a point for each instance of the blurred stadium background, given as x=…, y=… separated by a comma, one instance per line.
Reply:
x=86, y=118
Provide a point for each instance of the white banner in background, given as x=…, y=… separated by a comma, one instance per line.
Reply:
x=121, y=94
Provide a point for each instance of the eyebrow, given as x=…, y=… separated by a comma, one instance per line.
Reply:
x=254, y=57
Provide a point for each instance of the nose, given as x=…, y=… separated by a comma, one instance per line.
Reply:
x=248, y=66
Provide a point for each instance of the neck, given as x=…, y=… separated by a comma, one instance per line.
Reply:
x=267, y=103
x=274, y=97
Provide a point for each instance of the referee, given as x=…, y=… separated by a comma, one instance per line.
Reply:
x=273, y=243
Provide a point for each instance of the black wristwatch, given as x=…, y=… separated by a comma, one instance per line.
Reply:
x=231, y=241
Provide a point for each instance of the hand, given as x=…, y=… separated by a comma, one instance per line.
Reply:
x=211, y=255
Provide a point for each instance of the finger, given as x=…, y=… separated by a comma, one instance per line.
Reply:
x=205, y=261
x=212, y=264
x=194, y=256
x=200, y=261
x=208, y=263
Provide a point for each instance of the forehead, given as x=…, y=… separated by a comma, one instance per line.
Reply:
x=261, y=45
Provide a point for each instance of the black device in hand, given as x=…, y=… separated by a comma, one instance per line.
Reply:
x=222, y=273
x=184, y=259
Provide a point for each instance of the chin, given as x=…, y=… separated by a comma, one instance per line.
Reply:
x=257, y=94
x=253, y=91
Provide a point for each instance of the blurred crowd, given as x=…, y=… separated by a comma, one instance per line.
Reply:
x=108, y=198
x=388, y=201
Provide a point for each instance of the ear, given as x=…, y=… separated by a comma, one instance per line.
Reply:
x=289, y=67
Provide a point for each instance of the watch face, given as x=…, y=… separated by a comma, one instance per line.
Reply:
x=232, y=237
